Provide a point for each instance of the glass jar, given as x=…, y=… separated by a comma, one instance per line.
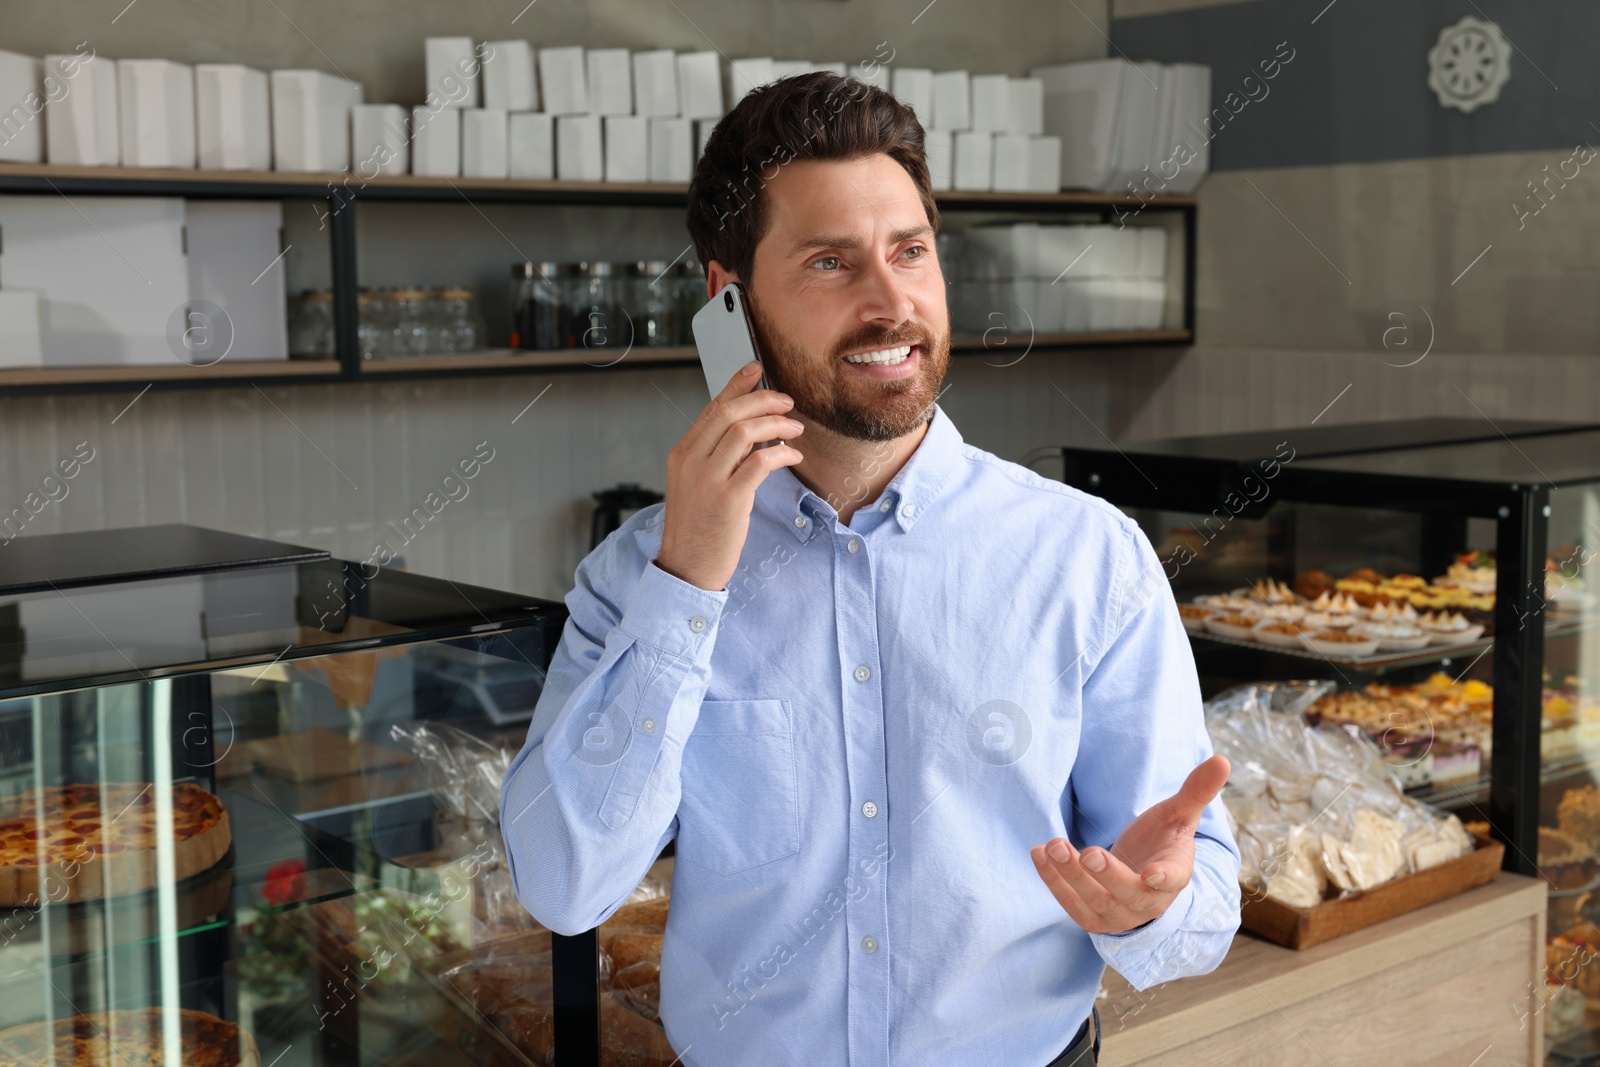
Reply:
x=409, y=329
x=594, y=321
x=652, y=308
x=462, y=326
x=372, y=325
x=311, y=326
x=535, y=306
x=688, y=297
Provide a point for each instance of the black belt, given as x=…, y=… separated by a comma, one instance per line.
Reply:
x=1084, y=1051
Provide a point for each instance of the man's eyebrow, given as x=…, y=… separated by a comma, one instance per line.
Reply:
x=843, y=242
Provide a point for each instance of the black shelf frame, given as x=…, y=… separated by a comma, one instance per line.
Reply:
x=1198, y=474
x=343, y=193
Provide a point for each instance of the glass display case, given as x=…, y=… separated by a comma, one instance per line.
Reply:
x=1440, y=573
x=248, y=816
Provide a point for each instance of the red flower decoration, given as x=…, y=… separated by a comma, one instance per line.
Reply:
x=285, y=882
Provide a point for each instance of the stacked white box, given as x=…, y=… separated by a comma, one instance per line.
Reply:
x=532, y=146
x=702, y=134
x=1044, y=164
x=973, y=170
x=436, y=142
x=311, y=120
x=1063, y=249
x=21, y=329
x=509, y=80
x=81, y=126
x=22, y=104
x=563, y=80
x=610, y=81
x=156, y=108
x=1011, y=160
x=452, y=70
x=699, y=85
x=952, y=101
x=871, y=73
x=579, y=153
x=627, y=152
x=672, y=152
x=835, y=67
x=1025, y=106
x=233, y=119
x=655, y=83
x=939, y=147
x=483, y=143
x=913, y=87
x=1152, y=256
x=745, y=75
x=991, y=102
x=379, y=141
x=788, y=68
x=1007, y=251
x=228, y=243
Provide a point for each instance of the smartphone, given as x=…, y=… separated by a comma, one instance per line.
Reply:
x=725, y=338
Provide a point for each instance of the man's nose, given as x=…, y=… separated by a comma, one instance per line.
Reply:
x=885, y=295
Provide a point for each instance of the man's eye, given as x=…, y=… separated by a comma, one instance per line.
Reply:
x=827, y=263
x=914, y=252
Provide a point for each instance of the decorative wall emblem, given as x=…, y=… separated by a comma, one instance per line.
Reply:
x=1469, y=64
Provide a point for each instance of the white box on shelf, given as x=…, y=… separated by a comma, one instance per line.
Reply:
x=1011, y=158
x=610, y=81
x=23, y=97
x=1150, y=304
x=233, y=119
x=532, y=140
x=991, y=102
x=702, y=134
x=1044, y=164
x=156, y=107
x=579, y=153
x=21, y=334
x=871, y=73
x=671, y=150
x=1077, y=298
x=1064, y=251
x=1082, y=107
x=452, y=67
x=952, y=100
x=509, y=80
x=1050, y=306
x=1121, y=247
x=379, y=140
x=81, y=126
x=939, y=147
x=483, y=143
x=436, y=142
x=230, y=243
x=1025, y=106
x=311, y=120
x=700, y=85
x=1113, y=303
x=913, y=87
x=99, y=306
x=1152, y=255
x=835, y=67
x=745, y=75
x=627, y=157
x=788, y=68
x=564, y=80
x=974, y=161
x=1005, y=251
x=655, y=83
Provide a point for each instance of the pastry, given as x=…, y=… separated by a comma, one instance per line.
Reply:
x=1393, y=636
x=131, y=1037
x=652, y=912
x=80, y=842
x=1340, y=644
x=1272, y=591
x=1312, y=584
x=1281, y=634
x=1240, y=627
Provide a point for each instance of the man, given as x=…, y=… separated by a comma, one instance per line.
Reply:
x=924, y=725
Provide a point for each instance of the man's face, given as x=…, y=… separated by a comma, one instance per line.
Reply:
x=847, y=297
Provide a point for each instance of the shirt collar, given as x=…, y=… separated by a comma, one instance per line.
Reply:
x=909, y=494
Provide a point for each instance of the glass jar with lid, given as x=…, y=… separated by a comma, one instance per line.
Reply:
x=594, y=320
x=409, y=329
x=651, y=304
x=462, y=328
x=688, y=297
x=535, y=306
x=372, y=323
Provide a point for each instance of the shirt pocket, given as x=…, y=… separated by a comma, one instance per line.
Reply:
x=740, y=801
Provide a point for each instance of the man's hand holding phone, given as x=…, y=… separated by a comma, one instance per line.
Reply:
x=712, y=475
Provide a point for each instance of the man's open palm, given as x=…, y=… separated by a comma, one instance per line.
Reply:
x=1150, y=863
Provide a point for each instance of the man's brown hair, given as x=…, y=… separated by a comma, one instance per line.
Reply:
x=818, y=116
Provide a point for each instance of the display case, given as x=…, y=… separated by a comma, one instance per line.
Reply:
x=249, y=814
x=1451, y=561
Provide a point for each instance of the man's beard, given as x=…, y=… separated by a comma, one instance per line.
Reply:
x=864, y=409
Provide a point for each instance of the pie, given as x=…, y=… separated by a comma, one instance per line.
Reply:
x=127, y=1038
x=79, y=842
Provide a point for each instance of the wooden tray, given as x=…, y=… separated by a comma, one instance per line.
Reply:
x=1299, y=928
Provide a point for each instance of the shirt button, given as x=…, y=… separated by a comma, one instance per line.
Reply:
x=908, y=511
x=884, y=506
x=869, y=944
x=800, y=521
x=869, y=809
x=698, y=623
x=862, y=673
x=649, y=726
x=854, y=546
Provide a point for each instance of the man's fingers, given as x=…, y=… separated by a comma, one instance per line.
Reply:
x=1069, y=900
x=1095, y=896
x=1123, y=883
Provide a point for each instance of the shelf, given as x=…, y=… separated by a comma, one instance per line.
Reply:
x=26, y=379
x=161, y=181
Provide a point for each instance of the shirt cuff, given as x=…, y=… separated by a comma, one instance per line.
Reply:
x=669, y=613
x=1133, y=945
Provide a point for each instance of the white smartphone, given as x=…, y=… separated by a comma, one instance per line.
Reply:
x=725, y=338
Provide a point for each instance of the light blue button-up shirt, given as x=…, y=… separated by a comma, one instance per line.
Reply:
x=855, y=746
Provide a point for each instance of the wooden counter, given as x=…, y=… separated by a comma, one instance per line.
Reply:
x=1445, y=984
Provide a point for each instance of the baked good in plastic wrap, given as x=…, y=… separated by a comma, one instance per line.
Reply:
x=1313, y=809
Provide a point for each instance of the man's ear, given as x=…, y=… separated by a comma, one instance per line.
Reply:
x=717, y=276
